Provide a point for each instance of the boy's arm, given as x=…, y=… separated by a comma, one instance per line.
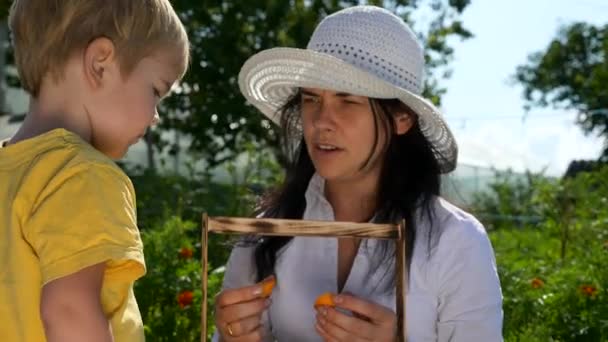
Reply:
x=71, y=309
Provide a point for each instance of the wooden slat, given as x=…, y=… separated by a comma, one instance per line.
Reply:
x=204, y=246
x=401, y=283
x=281, y=227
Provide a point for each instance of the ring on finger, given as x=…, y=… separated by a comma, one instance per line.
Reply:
x=229, y=328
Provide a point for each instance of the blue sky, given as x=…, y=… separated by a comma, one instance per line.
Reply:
x=480, y=95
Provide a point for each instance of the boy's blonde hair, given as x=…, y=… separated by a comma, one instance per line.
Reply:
x=47, y=32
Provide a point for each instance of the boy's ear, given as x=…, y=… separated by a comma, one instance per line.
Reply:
x=99, y=61
x=403, y=123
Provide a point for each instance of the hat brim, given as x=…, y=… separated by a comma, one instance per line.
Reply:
x=270, y=77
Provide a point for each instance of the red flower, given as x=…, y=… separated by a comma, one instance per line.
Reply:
x=186, y=253
x=588, y=290
x=185, y=299
x=537, y=283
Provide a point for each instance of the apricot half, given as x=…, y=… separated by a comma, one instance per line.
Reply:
x=267, y=286
x=325, y=299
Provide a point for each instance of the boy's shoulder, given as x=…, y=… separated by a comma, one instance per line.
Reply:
x=55, y=158
x=76, y=157
x=78, y=154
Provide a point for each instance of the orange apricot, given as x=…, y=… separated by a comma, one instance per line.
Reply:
x=267, y=286
x=325, y=299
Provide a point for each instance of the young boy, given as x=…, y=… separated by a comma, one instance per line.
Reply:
x=70, y=248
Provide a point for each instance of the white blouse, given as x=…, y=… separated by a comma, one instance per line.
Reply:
x=453, y=295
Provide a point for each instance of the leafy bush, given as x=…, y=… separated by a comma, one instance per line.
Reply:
x=553, y=273
x=511, y=200
x=552, y=270
x=189, y=195
x=170, y=209
x=169, y=296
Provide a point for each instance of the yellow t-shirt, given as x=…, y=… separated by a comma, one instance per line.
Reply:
x=65, y=206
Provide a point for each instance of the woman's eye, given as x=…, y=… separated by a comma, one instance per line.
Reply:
x=156, y=93
x=309, y=99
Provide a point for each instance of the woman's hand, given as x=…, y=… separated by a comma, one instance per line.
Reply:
x=370, y=321
x=238, y=312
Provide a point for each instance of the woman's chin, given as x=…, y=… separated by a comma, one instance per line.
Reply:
x=330, y=174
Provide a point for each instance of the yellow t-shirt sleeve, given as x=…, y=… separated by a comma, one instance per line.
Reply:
x=87, y=215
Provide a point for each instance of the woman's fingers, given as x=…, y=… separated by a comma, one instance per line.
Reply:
x=242, y=327
x=254, y=336
x=369, y=322
x=377, y=314
x=353, y=325
x=239, y=311
x=331, y=331
x=324, y=334
x=243, y=294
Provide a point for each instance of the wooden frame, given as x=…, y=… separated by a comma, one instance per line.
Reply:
x=280, y=227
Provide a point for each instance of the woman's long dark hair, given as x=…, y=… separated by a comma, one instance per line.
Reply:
x=409, y=181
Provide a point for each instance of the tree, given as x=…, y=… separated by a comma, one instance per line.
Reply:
x=208, y=106
x=225, y=33
x=572, y=73
x=4, y=6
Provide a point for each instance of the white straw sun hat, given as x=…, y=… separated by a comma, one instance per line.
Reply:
x=361, y=50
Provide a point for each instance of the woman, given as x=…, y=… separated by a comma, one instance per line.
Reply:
x=365, y=147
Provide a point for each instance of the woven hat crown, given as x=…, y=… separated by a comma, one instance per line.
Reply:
x=362, y=50
x=375, y=40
